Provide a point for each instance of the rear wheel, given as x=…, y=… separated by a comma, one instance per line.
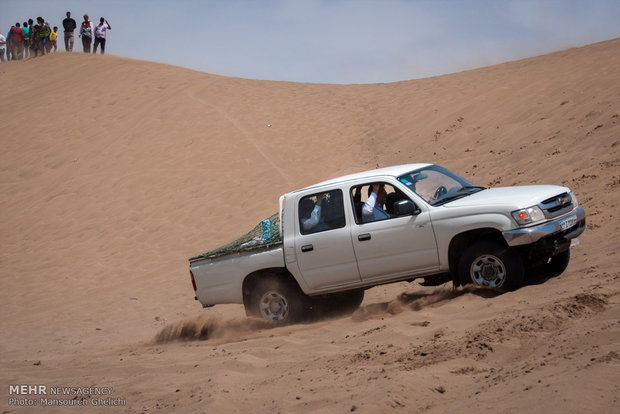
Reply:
x=278, y=300
x=490, y=264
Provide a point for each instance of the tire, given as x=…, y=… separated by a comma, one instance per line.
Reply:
x=337, y=304
x=353, y=300
x=488, y=263
x=278, y=300
x=346, y=302
x=556, y=265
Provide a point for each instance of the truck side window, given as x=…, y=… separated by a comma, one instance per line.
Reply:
x=321, y=211
x=384, y=203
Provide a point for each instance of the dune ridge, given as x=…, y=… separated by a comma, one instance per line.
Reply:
x=114, y=171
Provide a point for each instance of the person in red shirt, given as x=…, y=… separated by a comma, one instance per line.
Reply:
x=17, y=37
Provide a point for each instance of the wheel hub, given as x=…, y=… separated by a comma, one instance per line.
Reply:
x=274, y=306
x=488, y=270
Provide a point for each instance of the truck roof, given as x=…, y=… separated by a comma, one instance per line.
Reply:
x=393, y=171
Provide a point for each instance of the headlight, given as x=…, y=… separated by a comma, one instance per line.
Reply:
x=574, y=199
x=528, y=215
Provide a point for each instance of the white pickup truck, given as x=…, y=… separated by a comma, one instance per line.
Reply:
x=337, y=238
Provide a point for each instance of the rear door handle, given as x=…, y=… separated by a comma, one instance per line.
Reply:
x=307, y=248
x=363, y=237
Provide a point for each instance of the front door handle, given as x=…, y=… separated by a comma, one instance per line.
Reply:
x=363, y=237
x=307, y=248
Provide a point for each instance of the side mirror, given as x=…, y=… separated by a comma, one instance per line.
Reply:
x=406, y=208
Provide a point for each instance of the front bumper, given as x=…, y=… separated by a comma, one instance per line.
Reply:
x=528, y=235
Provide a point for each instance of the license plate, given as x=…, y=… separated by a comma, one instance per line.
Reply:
x=568, y=223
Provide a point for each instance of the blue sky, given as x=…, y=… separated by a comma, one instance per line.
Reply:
x=333, y=41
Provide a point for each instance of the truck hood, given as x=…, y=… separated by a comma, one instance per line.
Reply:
x=512, y=197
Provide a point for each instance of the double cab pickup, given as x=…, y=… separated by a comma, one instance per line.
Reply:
x=339, y=237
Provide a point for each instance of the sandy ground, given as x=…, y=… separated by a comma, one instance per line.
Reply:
x=113, y=172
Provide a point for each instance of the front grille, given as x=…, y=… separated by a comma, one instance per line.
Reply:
x=557, y=205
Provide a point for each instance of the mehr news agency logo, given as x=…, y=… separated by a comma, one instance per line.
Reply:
x=41, y=395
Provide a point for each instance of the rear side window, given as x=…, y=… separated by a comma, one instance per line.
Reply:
x=321, y=211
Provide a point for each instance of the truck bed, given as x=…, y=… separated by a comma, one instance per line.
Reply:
x=263, y=236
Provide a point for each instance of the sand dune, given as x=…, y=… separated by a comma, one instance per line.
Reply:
x=115, y=171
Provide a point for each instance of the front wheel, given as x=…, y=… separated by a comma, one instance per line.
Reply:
x=490, y=264
x=557, y=264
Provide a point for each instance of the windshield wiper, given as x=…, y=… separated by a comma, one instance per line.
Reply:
x=471, y=187
x=460, y=193
x=449, y=198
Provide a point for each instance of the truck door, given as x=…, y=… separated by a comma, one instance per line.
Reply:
x=387, y=246
x=323, y=245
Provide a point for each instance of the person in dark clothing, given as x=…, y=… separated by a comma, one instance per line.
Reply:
x=69, y=25
x=34, y=37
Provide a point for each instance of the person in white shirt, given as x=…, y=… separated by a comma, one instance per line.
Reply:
x=373, y=207
x=100, y=32
x=2, y=47
x=310, y=213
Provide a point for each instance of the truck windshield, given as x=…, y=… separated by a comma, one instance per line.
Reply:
x=437, y=186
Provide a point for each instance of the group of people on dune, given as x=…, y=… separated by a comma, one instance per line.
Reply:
x=31, y=39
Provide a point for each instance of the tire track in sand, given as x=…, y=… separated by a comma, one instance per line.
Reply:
x=246, y=134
